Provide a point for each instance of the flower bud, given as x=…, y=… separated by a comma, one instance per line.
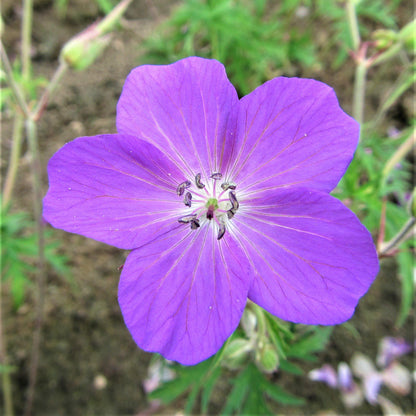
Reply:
x=236, y=353
x=267, y=359
x=249, y=322
x=384, y=38
x=408, y=36
x=83, y=49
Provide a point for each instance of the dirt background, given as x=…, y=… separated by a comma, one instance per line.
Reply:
x=84, y=337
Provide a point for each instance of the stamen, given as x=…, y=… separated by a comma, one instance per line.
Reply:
x=221, y=231
x=182, y=186
x=187, y=218
x=194, y=224
x=198, y=181
x=233, y=199
x=228, y=185
x=216, y=175
x=230, y=213
x=188, y=199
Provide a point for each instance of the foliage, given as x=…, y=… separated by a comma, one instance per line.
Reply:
x=374, y=13
x=252, y=42
x=19, y=251
x=252, y=390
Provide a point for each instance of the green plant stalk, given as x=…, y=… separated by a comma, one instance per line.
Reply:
x=17, y=91
x=387, y=54
x=13, y=160
x=399, y=238
x=406, y=80
x=40, y=270
x=359, y=92
x=398, y=155
x=7, y=388
x=26, y=38
x=56, y=78
x=353, y=24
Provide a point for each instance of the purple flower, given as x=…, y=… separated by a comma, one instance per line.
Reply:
x=220, y=200
x=391, y=348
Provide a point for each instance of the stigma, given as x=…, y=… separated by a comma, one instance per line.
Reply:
x=212, y=203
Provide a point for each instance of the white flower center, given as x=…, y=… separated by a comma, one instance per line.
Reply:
x=213, y=204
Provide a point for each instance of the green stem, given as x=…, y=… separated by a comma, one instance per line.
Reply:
x=399, y=238
x=7, y=388
x=57, y=76
x=353, y=24
x=13, y=160
x=388, y=54
x=398, y=155
x=40, y=270
x=359, y=92
x=26, y=38
x=17, y=91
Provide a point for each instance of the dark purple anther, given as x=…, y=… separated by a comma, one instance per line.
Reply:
x=187, y=218
x=182, y=186
x=188, y=199
x=198, y=181
x=216, y=175
x=221, y=231
x=194, y=224
x=234, y=202
x=228, y=185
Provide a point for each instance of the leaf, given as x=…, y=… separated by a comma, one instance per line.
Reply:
x=311, y=343
x=250, y=392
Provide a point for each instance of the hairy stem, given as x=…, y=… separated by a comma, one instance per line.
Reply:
x=399, y=154
x=7, y=388
x=399, y=238
x=353, y=24
x=359, y=92
x=26, y=38
x=13, y=160
x=17, y=91
x=40, y=270
x=53, y=83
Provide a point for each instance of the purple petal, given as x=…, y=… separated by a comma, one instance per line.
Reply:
x=183, y=109
x=292, y=132
x=391, y=348
x=345, y=380
x=112, y=188
x=183, y=295
x=311, y=257
x=326, y=374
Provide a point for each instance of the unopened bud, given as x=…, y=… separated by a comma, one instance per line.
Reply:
x=408, y=36
x=249, y=322
x=267, y=359
x=384, y=38
x=83, y=49
x=236, y=353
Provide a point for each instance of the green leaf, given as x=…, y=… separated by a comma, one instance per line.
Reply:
x=311, y=343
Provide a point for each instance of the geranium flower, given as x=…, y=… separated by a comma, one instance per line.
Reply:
x=220, y=200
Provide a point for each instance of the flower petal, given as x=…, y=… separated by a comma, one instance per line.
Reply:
x=183, y=109
x=292, y=132
x=183, y=295
x=311, y=256
x=112, y=188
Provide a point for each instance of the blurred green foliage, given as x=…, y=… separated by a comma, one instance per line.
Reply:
x=19, y=251
x=251, y=390
x=249, y=39
x=257, y=40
